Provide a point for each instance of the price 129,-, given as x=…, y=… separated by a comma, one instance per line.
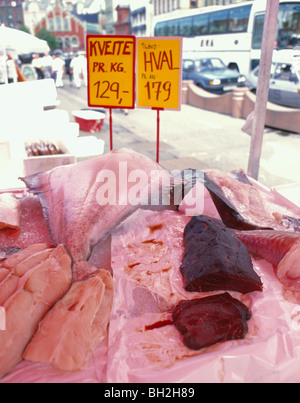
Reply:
x=108, y=90
x=158, y=90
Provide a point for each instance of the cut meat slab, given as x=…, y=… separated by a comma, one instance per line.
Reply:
x=280, y=248
x=33, y=229
x=215, y=259
x=210, y=320
x=41, y=286
x=10, y=211
x=75, y=325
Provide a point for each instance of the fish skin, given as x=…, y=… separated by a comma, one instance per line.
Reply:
x=281, y=249
x=243, y=206
x=75, y=325
x=81, y=221
x=25, y=308
x=269, y=245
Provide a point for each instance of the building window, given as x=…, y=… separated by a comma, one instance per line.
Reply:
x=50, y=25
x=67, y=42
x=75, y=42
x=58, y=23
x=66, y=24
x=60, y=42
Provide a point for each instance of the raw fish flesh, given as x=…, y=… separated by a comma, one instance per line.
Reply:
x=243, y=206
x=229, y=213
x=280, y=248
x=215, y=259
x=83, y=202
x=10, y=211
x=75, y=325
x=33, y=229
x=40, y=287
x=13, y=272
x=210, y=320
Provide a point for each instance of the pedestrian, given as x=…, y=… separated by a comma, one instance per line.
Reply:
x=78, y=69
x=58, y=69
x=12, y=74
x=37, y=63
x=47, y=63
x=67, y=67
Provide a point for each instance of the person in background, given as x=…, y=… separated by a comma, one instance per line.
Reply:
x=78, y=68
x=67, y=67
x=37, y=63
x=12, y=74
x=47, y=63
x=58, y=69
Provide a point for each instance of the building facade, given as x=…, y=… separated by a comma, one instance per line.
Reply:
x=34, y=11
x=69, y=29
x=11, y=13
x=122, y=25
x=140, y=18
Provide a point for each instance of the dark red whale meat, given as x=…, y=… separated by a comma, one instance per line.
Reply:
x=210, y=320
x=215, y=259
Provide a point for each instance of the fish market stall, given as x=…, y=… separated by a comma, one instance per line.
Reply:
x=116, y=270
x=132, y=276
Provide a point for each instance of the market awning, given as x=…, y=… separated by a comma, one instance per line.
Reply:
x=18, y=42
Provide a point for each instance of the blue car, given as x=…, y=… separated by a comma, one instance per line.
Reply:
x=212, y=75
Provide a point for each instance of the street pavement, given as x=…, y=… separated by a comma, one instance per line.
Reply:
x=194, y=138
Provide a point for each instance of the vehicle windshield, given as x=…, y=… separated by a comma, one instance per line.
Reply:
x=284, y=71
x=288, y=32
x=209, y=64
x=288, y=28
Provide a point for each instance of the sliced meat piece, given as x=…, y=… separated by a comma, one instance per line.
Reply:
x=33, y=229
x=215, y=259
x=210, y=320
x=75, y=325
x=244, y=206
x=10, y=211
x=280, y=248
x=18, y=268
x=25, y=308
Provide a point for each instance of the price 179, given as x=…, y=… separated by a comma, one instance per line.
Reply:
x=158, y=90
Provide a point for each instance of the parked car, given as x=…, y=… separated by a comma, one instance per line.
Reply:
x=284, y=80
x=212, y=75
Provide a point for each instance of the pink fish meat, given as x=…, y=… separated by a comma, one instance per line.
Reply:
x=255, y=209
x=280, y=248
x=75, y=325
x=84, y=201
x=10, y=211
x=38, y=282
x=32, y=230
